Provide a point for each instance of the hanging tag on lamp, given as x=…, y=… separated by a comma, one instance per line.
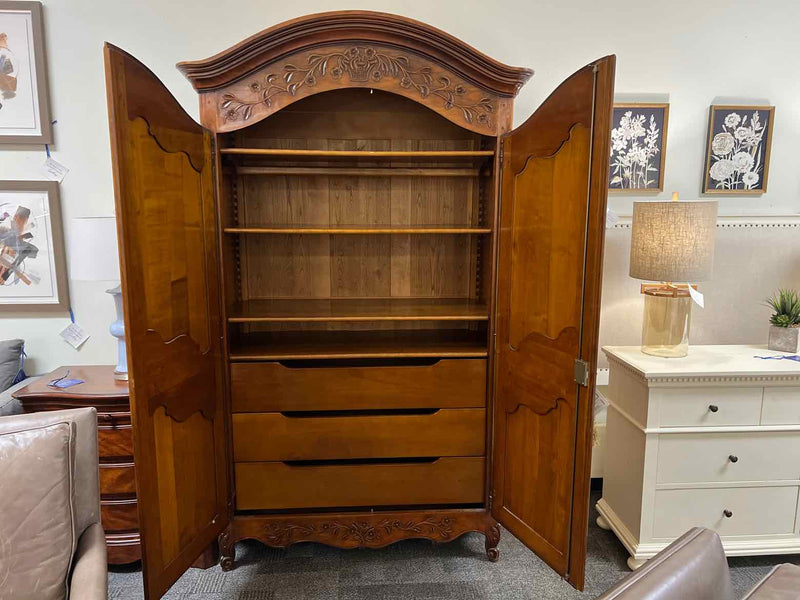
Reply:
x=696, y=296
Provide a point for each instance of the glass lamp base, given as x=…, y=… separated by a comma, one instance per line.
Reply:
x=665, y=328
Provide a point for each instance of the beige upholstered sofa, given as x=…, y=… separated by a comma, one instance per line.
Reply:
x=694, y=567
x=51, y=541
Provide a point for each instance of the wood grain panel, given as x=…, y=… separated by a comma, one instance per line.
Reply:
x=278, y=437
x=166, y=219
x=260, y=387
x=275, y=485
x=117, y=478
x=547, y=313
x=119, y=515
x=358, y=309
x=294, y=345
x=361, y=266
x=116, y=442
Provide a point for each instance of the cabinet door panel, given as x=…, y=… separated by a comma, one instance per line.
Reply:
x=163, y=183
x=553, y=203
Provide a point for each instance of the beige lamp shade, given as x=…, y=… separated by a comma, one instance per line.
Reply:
x=673, y=241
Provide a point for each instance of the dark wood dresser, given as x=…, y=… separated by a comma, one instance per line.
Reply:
x=117, y=480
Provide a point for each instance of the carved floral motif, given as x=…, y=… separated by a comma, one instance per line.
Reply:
x=362, y=533
x=361, y=64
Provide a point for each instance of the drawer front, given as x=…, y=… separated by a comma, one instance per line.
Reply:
x=119, y=515
x=115, y=442
x=117, y=479
x=709, y=457
x=266, y=387
x=695, y=407
x=781, y=406
x=276, y=485
x=754, y=511
x=277, y=437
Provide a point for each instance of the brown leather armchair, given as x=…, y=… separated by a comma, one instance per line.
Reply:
x=694, y=567
x=51, y=541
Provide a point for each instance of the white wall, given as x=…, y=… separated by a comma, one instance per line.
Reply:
x=693, y=51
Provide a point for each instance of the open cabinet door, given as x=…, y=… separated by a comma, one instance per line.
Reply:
x=163, y=183
x=553, y=204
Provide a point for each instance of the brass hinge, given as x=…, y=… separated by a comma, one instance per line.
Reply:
x=581, y=372
x=502, y=151
x=491, y=500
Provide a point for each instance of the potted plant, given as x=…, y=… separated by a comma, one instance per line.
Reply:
x=784, y=333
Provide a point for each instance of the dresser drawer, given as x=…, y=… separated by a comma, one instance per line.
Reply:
x=266, y=387
x=117, y=479
x=709, y=457
x=119, y=515
x=276, y=485
x=115, y=442
x=754, y=511
x=709, y=407
x=781, y=406
x=277, y=437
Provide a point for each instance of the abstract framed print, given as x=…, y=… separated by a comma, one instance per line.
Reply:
x=33, y=266
x=24, y=108
x=638, y=147
x=737, y=150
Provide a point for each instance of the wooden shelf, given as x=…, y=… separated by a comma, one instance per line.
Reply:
x=358, y=309
x=361, y=229
x=359, y=171
x=420, y=155
x=302, y=345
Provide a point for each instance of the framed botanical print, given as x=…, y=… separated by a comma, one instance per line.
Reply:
x=638, y=147
x=24, y=109
x=33, y=267
x=737, y=150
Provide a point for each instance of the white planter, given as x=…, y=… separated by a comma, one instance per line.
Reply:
x=784, y=339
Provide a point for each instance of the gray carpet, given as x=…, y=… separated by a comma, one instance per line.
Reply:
x=414, y=569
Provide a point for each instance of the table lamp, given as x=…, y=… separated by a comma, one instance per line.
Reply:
x=671, y=242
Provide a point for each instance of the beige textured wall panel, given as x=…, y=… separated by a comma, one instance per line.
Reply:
x=752, y=259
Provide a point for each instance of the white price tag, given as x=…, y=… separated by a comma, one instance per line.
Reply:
x=74, y=335
x=696, y=296
x=611, y=218
x=54, y=170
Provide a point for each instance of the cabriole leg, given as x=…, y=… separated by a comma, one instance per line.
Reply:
x=227, y=550
x=492, y=540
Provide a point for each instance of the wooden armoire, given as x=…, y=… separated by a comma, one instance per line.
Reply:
x=359, y=308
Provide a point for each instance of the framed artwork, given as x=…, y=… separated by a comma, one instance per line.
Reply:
x=33, y=266
x=737, y=151
x=638, y=147
x=24, y=110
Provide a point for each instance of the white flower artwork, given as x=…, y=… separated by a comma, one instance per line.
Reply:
x=637, y=147
x=738, y=155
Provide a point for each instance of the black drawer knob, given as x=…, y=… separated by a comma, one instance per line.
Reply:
x=733, y=458
x=713, y=407
x=727, y=513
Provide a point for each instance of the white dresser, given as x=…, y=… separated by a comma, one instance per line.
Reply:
x=712, y=440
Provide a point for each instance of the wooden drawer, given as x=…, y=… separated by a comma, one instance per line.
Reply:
x=781, y=406
x=119, y=515
x=276, y=485
x=709, y=457
x=117, y=479
x=694, y=407
x=115, y=442
x=277, y=437
x=448, y=383
x=755, y=511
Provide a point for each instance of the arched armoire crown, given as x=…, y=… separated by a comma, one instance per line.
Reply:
x=359, y=308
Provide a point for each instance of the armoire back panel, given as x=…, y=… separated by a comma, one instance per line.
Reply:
x=390, y=265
